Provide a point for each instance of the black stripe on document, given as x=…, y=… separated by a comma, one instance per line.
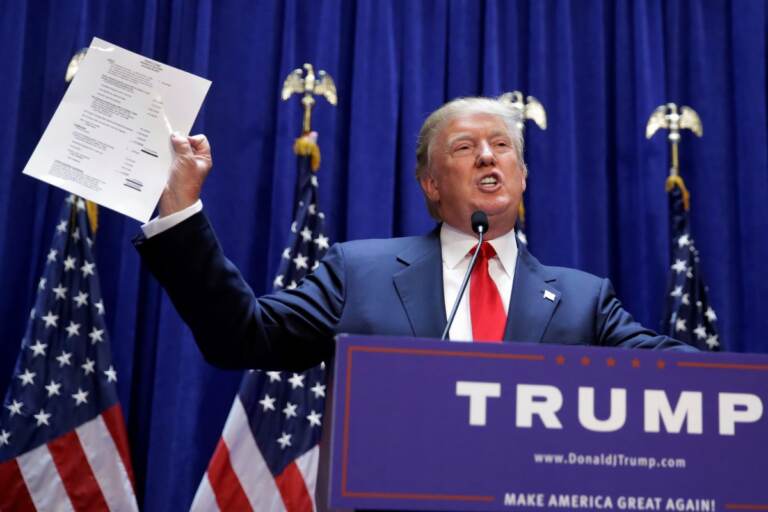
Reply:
x=150, y=153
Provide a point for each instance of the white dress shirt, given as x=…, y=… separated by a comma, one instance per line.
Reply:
x=455, y=246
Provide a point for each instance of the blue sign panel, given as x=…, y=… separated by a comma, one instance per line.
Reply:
x=428, y=425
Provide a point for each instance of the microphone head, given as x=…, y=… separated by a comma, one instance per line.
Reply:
x=479, y=222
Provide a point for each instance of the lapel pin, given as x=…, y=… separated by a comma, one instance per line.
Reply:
x=549, y=295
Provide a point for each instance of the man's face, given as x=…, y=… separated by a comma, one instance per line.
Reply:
x=474, y=166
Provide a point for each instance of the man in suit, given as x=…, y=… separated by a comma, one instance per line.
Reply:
x=469, y=158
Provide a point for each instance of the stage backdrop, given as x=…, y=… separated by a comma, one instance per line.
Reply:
x=595, y=195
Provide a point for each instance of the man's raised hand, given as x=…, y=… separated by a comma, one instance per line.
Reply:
x=189, y=169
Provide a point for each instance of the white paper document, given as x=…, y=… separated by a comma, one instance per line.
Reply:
x=109, y=140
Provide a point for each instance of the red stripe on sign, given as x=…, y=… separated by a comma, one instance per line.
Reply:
x=226, y=486
x=113, y=418
x=293, y=489
x=76, y=473
x=15, y=495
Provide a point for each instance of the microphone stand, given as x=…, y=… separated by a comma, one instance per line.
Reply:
x=463, y=285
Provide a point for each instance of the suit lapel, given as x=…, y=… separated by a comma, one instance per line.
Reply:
x=533, y=301
x=420, y=286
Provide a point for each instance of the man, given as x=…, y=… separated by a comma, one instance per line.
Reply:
x=469, y=158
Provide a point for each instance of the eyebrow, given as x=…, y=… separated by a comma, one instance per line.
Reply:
x=466, y=136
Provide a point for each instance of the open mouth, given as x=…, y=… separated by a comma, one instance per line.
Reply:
x=489, y=182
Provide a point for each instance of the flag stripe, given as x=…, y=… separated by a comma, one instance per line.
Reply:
x=307, y=465
x=113, y=419
x=293, y=489
x=229, y=493
x=15, y=496
x=205, y=500
x=101, y=452
x=248, y=462
x=76, y=472
x=43, y=480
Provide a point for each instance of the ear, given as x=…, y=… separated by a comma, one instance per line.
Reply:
x=429, y=186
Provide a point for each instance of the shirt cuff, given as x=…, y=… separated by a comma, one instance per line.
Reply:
x=160, y=224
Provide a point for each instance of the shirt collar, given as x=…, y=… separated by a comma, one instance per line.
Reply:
x=456, y=245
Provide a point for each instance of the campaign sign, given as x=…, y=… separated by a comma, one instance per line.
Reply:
x=428, y=425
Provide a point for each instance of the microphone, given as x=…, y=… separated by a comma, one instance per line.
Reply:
x=479, y=222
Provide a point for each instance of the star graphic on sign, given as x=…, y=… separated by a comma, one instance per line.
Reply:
x=4, y=437
x=76, y=234
x=321, y=241
x=312, y=208
x=314, y=418
x=685, y=299
x=710, y=314
x=15, y=407
x=300, y=261
x=287, y=253
x=69, y=263
x=680, y=325
x=87, y=366
x=306, y=234
x=96, y=335
x=297, y=381
x=27, y=377
x=50, y=319
x=318, y=389
x=267, y=403
x=62, y=227
x=111, y=374
x=284, y=440
x=274, y=376
x=42, y=418
x=712, y=341
x=679, y=266
x=278, y=282
x=72, y=329
x=53, y=388
x=52, y=255
x=81, y=397
x=81, y=299
x=41, y=284
x=38, y=349
x=290, y=410
x=99, y=306
x=87, y=269
x=63, y=359
x=683, y=240
x=60, y=292
x=677, y=292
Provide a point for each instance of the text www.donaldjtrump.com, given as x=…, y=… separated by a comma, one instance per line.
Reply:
x=612, y=460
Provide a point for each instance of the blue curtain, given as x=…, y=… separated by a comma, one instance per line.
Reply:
x=595, y=199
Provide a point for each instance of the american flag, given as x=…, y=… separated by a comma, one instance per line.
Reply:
x=63, y=444
x=689, y=315
x=267, y=457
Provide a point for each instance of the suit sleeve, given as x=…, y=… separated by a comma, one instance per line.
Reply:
x=288, y=330
x=616, y=327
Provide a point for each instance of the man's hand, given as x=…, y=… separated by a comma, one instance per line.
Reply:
x=188, y=172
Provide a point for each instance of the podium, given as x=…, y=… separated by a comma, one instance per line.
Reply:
x=428, y=425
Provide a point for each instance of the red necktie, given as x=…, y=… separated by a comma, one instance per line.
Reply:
x=488, y=316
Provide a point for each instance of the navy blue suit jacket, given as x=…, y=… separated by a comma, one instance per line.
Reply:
x=386, y=287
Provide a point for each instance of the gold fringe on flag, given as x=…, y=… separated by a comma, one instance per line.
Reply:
x=521, y=212
x=305, y=146
x=677, y=181
x=92, y=209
